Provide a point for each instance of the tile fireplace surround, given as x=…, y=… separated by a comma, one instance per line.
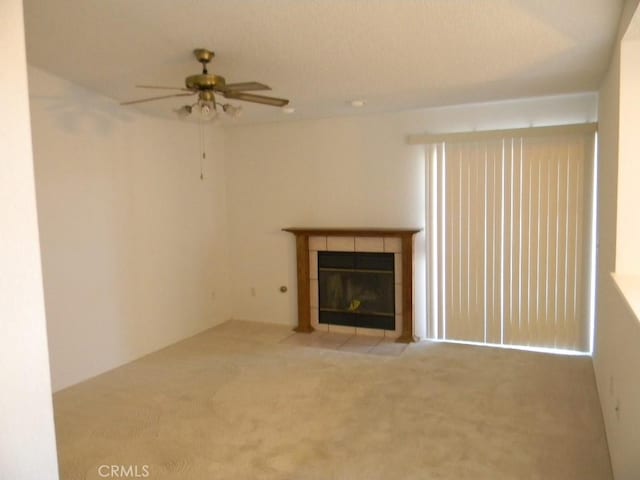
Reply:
x=389, y=240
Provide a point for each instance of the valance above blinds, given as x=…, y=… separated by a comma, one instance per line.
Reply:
x=588, y=129
x=509, y=237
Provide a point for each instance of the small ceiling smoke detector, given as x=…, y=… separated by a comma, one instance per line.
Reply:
x=357, y=103
x=288, y=110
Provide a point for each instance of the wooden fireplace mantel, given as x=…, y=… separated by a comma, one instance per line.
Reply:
x=406, y=235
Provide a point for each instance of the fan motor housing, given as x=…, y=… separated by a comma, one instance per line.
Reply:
x=205, y=81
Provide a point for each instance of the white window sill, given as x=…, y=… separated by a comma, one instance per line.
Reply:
x=629, y=287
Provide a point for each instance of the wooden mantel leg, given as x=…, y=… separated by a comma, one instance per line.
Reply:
x=407, y=291
x=304, y=297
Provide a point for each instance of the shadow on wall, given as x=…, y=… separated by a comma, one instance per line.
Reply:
x=76, y=109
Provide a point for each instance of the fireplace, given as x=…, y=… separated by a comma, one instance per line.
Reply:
x=357, y=279
x=356, y=289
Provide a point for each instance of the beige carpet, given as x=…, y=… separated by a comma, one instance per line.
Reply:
x=246, y=401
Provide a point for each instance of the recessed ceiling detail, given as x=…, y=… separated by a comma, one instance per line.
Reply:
x=397, y=55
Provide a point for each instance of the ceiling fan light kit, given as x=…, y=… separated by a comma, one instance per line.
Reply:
x=206, y=85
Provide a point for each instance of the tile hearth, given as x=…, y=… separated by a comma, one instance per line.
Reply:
x=366, y=344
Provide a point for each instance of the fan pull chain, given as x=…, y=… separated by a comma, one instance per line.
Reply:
x=203, y=155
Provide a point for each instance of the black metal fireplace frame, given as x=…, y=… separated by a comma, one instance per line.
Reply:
x=361, y=262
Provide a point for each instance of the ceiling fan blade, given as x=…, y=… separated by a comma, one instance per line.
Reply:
x=245, y=87
x=249, y=97
x=156, y=87
x=150, y=99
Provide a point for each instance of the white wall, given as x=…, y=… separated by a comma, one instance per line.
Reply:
x=133, y=242
x=27, y=442
x=628, y=228
x=617, y=347
x=345, y=172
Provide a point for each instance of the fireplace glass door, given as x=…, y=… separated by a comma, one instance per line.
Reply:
x=356, y=289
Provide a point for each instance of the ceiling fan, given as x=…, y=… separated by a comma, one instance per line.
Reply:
x=206, y=85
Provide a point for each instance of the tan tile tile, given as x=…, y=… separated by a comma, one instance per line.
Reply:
x=364, y=340
x=372, y=332
x=314, y=318
x=313, y=265
x=298, y=339
x=397, y=266
x=317, y=243
x=369, y=244
x=392, y=334
x=398, y=330
x=329, y=340
x=342, y=329
x=322, y=328
x=398, y=294
x=355, y=348
x=392, y=245
x=340, y=244
x=313, y=292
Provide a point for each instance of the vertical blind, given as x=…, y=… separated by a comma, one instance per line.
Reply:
x=508, y=238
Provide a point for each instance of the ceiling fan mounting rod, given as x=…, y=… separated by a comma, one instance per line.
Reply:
x=204, y=56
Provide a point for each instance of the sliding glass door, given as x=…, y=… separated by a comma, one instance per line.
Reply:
x=509, y=238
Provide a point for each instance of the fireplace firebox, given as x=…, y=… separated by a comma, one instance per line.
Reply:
x=356, y=289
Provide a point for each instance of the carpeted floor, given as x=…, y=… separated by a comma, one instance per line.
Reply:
x=248, y=401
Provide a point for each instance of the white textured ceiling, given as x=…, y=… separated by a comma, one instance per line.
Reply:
x=397, y=55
